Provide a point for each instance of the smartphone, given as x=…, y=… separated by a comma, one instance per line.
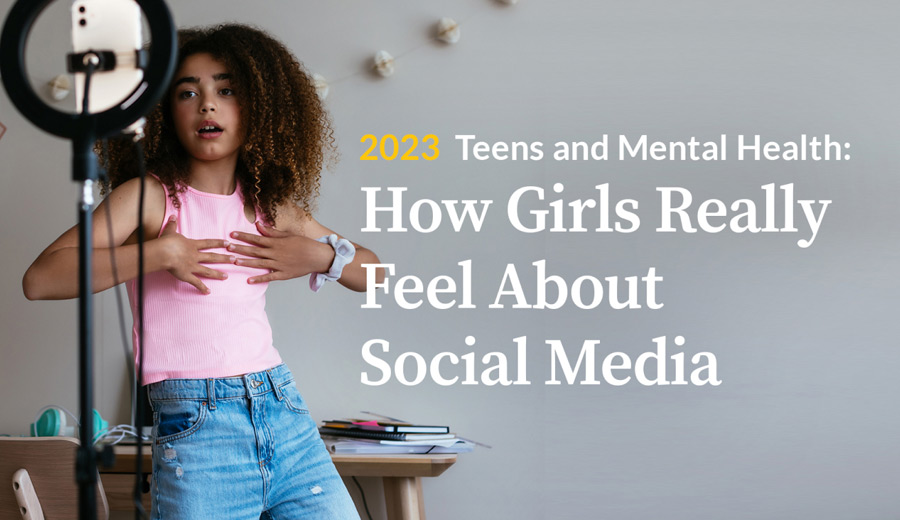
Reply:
x=107, y=25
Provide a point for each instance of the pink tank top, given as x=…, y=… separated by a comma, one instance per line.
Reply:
x=189, y=335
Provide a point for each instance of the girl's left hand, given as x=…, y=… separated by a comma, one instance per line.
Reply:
x=285, y=255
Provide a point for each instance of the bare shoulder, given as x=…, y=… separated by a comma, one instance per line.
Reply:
x=125, y=199
x=293, y=219
x=131, y=188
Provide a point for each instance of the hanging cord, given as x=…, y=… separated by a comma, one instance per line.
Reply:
x=363, y=495
x=129, y=362
x=140, y=513
x=117, y=434
x=91, y=62
x=136, y=401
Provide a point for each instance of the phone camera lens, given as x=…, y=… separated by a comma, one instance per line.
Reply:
x=82, y=22
x=81, y=9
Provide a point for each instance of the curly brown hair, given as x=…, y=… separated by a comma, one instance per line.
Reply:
x=288, y=133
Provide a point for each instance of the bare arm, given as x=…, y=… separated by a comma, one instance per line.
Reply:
x=54, y=274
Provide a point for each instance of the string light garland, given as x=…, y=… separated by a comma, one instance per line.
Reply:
x=447, y=30
x=321, y=85
x=384, y=63
x=60, y=87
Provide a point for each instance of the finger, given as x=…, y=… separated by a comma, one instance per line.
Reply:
x=193, y=280
x=275, y=275
x=216, y=258
x=254, y=262
x=170, y=226
x=270, y=231
x=210, y=243
x=251, y=238
x=206, y=272
x=258, y=252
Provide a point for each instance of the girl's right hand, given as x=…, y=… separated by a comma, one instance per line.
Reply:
x=184, y=257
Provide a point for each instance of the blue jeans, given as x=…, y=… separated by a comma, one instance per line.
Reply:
x=241, y=448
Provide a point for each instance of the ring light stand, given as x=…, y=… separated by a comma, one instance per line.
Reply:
x=84, y=130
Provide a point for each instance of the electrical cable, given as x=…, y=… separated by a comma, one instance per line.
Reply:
x=363, y=495
x=122, y=430
x=140, y=513
x=89, y=71
x=129, y=361
x=137, y=402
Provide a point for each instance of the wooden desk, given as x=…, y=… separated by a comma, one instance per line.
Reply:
x=401, y=475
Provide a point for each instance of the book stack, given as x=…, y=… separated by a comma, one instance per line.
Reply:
x=367, y=436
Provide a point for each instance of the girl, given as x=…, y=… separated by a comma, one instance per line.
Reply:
x=235, y=150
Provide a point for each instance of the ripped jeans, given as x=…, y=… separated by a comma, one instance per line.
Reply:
x=241, y=448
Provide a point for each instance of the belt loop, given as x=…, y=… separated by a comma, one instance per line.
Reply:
x=211, y=393
x=275, y=387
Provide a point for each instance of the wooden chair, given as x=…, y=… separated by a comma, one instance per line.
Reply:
x=50, y=462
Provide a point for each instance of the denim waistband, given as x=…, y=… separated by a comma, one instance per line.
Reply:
x=247, y=385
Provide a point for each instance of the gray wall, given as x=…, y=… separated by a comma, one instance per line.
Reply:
x=803, y=424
